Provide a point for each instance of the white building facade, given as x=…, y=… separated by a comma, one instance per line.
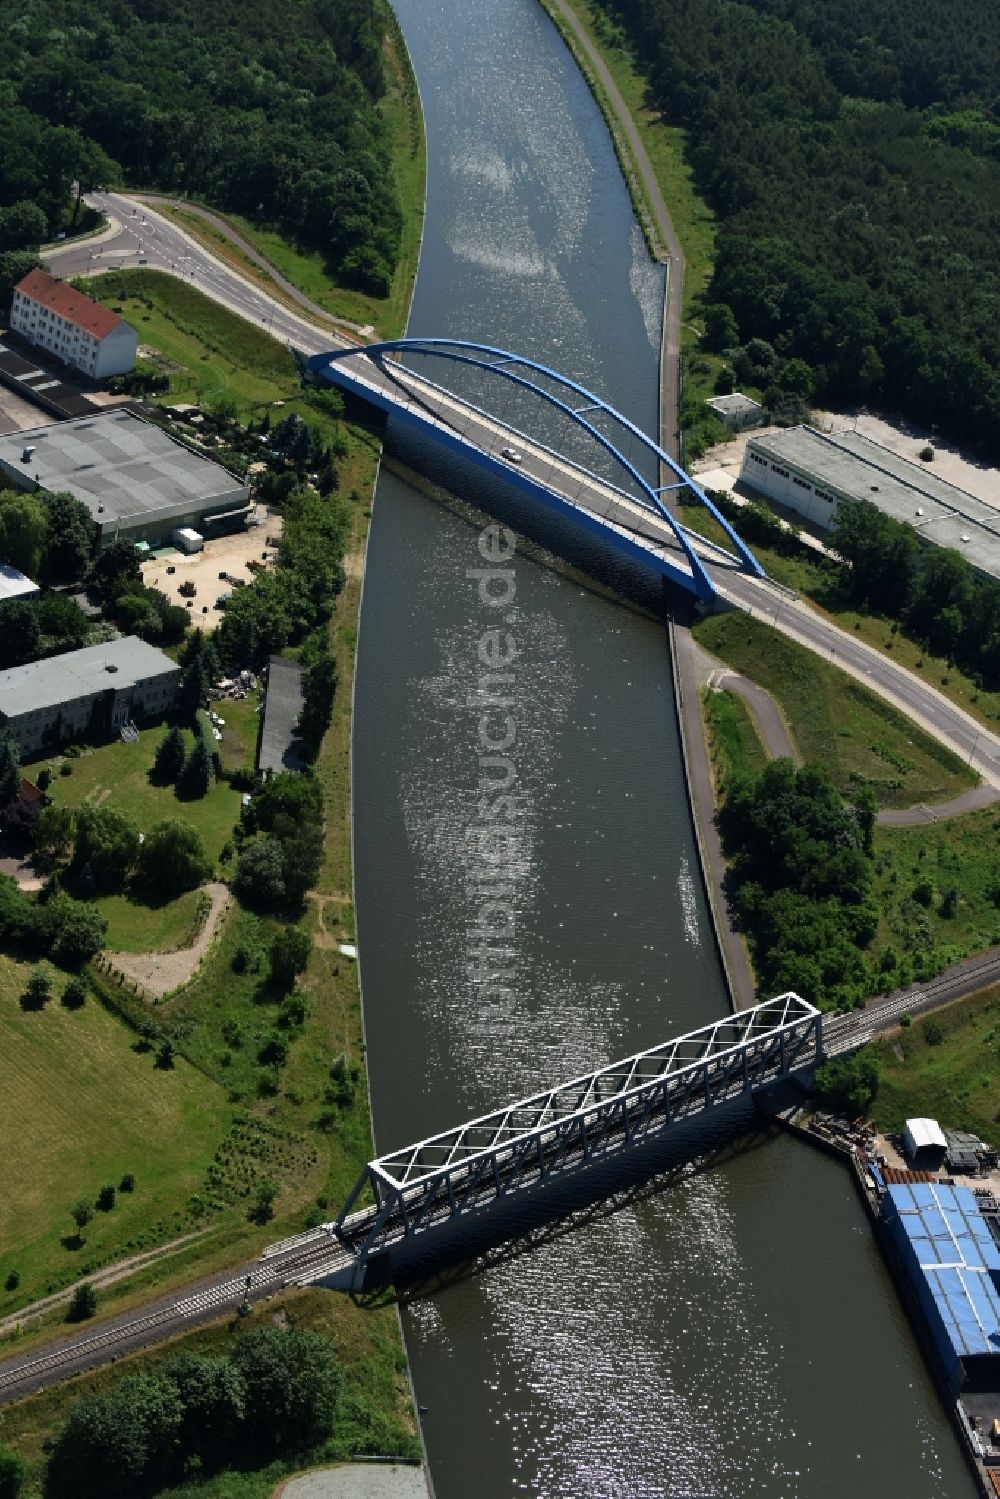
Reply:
x=53, y=316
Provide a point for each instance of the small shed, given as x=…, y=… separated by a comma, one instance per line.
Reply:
x=924, y=1143
x=737, y=410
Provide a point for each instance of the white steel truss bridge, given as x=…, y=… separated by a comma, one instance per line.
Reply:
x=529, y=1144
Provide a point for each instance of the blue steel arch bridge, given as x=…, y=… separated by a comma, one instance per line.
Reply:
x=556, y=442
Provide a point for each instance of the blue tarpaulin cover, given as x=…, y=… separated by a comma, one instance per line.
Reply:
x=947, y=1243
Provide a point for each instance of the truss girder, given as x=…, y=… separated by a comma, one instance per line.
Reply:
x=528, y=1143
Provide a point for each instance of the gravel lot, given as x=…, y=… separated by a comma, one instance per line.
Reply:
x=229, y=554
x=357, y=1481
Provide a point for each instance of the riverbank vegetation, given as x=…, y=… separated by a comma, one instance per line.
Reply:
x=850, y=159
x=371, y=1412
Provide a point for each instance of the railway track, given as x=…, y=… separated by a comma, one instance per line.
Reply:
x=280, y=1265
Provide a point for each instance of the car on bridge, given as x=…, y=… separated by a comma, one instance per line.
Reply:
x=512, y=455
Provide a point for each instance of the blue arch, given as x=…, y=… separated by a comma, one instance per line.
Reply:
x=509, y=367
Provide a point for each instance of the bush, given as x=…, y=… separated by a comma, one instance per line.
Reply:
x=37, y=991
x=74, y=996
x=127, y=1183
x=106, y=1199
x=173, y=858
x=11, y=1474
x=83, y=1304
x=933, y=1032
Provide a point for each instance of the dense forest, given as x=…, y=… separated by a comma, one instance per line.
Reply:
x=257, y=106
x=851, y=153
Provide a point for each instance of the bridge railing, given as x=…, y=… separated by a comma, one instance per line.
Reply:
x=566, y=1128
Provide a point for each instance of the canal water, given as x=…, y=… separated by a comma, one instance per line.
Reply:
x=529, y=906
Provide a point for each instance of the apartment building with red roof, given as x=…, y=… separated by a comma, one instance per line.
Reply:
x=53, y=316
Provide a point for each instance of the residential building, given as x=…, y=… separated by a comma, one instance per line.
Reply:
x=90, y=693
x=53, y=316
x=136, y=480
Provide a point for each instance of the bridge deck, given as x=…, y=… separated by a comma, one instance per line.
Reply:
x=527, y=1144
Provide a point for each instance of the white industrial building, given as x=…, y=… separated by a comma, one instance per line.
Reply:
x=137, y=481
x=811, y=472
x=89, y=693
x=51, y=315
x=737, y=411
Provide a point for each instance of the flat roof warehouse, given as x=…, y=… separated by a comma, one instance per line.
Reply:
x=853, y=467
x=128, y=473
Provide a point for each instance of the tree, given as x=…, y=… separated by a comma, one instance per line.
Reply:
x=213, y=1398
x=10, y=768
x=293, y=1383
x=20, y=822
x=11, y=1474
x=849, y=1085
x=108, y=842
x=127, y=1183
x=169, y=758
x=23, y=226
x=72, y=532
x=290, y=953
x=196, y=772
x=106, y=1199
x=173, y=857
x=37, y=991
x=81, y=1213
x=118, y=1445
x=24, y=531
x=866, y=811
x=319, y=684
x=55, y=832
x=721, y=328
x=262, y=1208
x=259, y=880
x=116, y=568
x=21, y=637
x=165, y=1055
x=192, y=689
x=77, y=931
x=74, y=996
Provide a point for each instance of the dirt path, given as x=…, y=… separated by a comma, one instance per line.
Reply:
x=158, y=973
x=99, y=1280
x=778, y=742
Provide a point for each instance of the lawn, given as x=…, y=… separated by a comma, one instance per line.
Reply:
x=134, y=926
x=210, y=354
x=956, y=1080
x=820, y=584
x=80, y=1109
x=735, y=747
x=834, y=719
x=118, y=774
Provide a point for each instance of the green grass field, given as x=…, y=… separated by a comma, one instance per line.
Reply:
x=956, y=1081
x=209, y=354
x=961, y=854
x=80, y=1109
x=134, y=926
x=117, y=775
x=735, y=746
x=834, y=719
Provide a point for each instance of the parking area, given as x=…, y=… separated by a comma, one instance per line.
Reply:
x=228, y=554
